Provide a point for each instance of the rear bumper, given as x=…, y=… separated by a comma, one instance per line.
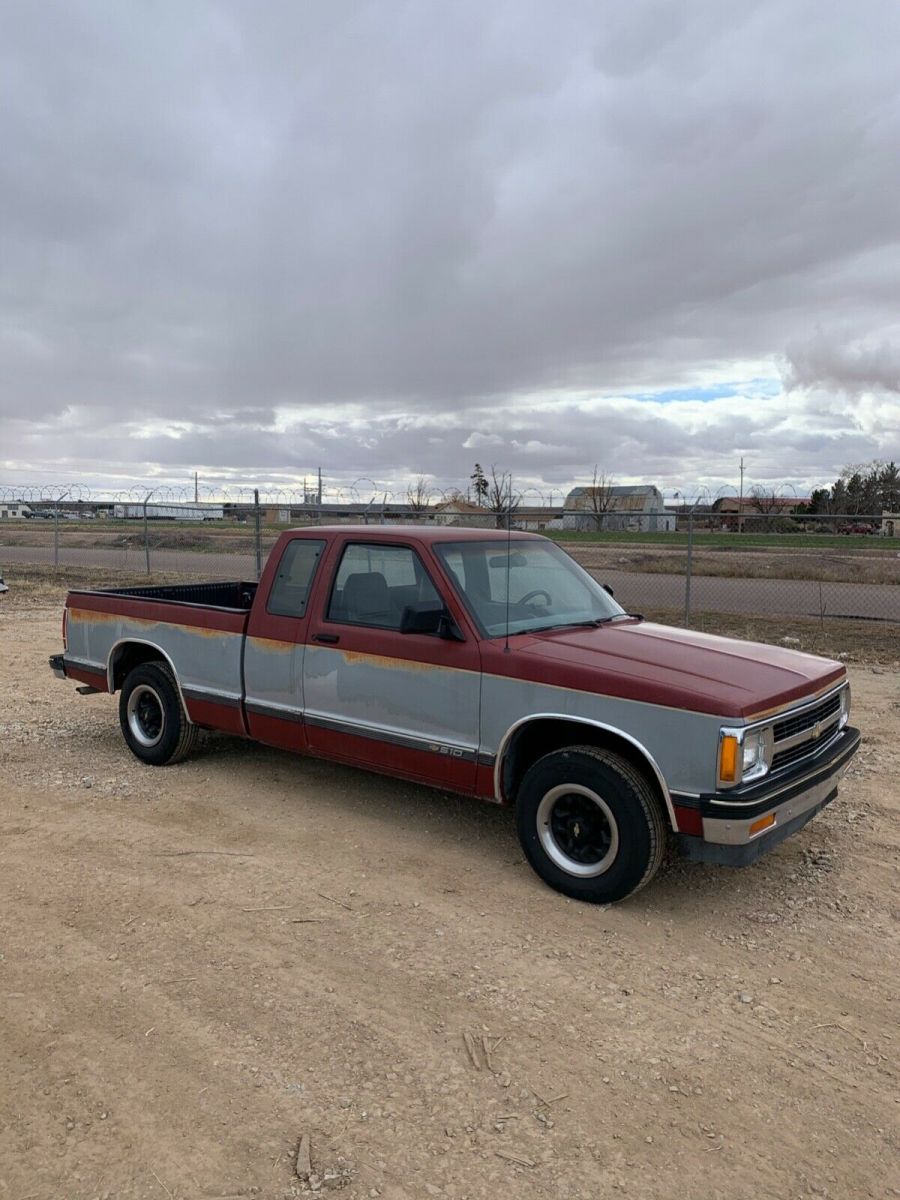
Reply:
x=737, y=834
x=91, y=674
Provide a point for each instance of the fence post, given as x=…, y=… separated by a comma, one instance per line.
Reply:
x=690, y=563
x=258, y=533
x=56, y=536
x=147, y=534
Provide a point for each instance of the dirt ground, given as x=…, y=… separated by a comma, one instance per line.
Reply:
x=200, y=964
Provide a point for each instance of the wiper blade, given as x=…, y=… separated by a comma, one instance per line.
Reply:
x=593, y=623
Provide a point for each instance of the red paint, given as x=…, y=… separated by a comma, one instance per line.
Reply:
x=688, y=820
x=194, y=616
x=211, y=715
x=659, y=664
x=95, y=679
x=275, y=731
x=419, y=766
x=484, y=781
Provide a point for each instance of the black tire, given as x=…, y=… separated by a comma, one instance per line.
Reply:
x=154, y=724
x=590, y=824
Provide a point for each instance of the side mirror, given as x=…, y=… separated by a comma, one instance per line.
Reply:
x=428, y=617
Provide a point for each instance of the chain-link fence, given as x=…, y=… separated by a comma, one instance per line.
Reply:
x=768, y=566
x=822, y=569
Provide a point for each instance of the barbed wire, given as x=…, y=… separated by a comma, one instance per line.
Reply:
x=365, y=491
x=362, y=491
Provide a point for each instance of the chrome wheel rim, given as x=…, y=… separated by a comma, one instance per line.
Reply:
x=577, y=830
x=146, y=716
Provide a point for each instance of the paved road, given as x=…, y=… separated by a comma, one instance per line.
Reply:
x=778, y=597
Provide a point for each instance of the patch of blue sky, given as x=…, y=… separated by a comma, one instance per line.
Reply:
x=715, y=391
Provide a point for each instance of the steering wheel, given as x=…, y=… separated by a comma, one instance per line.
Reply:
x=548, y=599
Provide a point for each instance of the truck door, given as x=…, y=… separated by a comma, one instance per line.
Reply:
x=404, y=703
x=273, y=650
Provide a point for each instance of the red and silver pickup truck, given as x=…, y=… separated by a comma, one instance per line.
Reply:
x=486, y=664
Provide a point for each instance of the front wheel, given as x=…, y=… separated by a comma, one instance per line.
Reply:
x=590, y=824
x=154, y=724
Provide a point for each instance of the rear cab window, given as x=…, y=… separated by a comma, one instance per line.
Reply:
x=293, y=580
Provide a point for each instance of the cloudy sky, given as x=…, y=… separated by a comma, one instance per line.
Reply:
x=393, y=238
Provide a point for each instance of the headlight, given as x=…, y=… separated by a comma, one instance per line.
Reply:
x=744, y=755
x=845, y=708
x=753, y=756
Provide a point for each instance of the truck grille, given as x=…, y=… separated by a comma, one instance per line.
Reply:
x=800, y=735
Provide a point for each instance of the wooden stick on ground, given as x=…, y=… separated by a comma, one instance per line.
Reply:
x=473, y=1053
x=303, y=1165
x=523, y=1162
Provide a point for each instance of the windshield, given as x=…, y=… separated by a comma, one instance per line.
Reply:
x=547, y=589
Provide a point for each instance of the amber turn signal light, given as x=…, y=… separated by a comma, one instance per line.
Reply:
x=728, y=759
x=763, y=823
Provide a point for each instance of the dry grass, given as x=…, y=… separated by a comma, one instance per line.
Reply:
x=866, y=642
x=829, y=566
x=31, y=584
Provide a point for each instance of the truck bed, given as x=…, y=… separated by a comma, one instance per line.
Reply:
x=234, y=595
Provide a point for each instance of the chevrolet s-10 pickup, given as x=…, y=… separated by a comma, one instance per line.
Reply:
x=489, y=664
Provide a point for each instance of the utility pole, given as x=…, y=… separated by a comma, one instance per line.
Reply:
x=196, y=488
x=320, y=487
x=741, y=500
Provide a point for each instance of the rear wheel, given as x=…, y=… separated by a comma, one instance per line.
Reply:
x=590, y=824
x=154, y=723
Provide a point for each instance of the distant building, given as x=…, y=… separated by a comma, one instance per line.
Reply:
x=462, y=512
x=632, y=509
x=13, y=509
x=735, y=510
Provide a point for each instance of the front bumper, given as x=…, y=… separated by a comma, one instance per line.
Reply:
x=731, y=821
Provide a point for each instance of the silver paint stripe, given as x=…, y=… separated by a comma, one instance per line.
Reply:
x=219, y=697
x=379, y=734
x=284, y=713
x=86, y=663
x=572, y=720
x=228, y=699
x=262, y=709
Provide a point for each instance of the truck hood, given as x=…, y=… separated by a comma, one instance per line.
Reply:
x=660, y=664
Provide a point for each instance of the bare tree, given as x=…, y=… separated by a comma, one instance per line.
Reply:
x=418, y=495
x=500, y=497
x=765, y=500
x=599, y=496
x=769, y=504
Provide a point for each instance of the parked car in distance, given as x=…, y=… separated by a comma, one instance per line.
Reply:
x=488, y=664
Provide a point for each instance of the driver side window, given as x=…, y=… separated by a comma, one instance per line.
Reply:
x=374, y=584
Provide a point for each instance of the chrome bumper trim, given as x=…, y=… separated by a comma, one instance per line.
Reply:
x=737, y=833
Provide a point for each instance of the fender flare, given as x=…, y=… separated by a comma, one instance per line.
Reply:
x=135, y=641
x=651, y=762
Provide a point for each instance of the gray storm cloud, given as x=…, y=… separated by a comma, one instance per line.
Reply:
x=258, y=238
x=828, y=363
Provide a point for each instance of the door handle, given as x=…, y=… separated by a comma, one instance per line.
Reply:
x=330, y=638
